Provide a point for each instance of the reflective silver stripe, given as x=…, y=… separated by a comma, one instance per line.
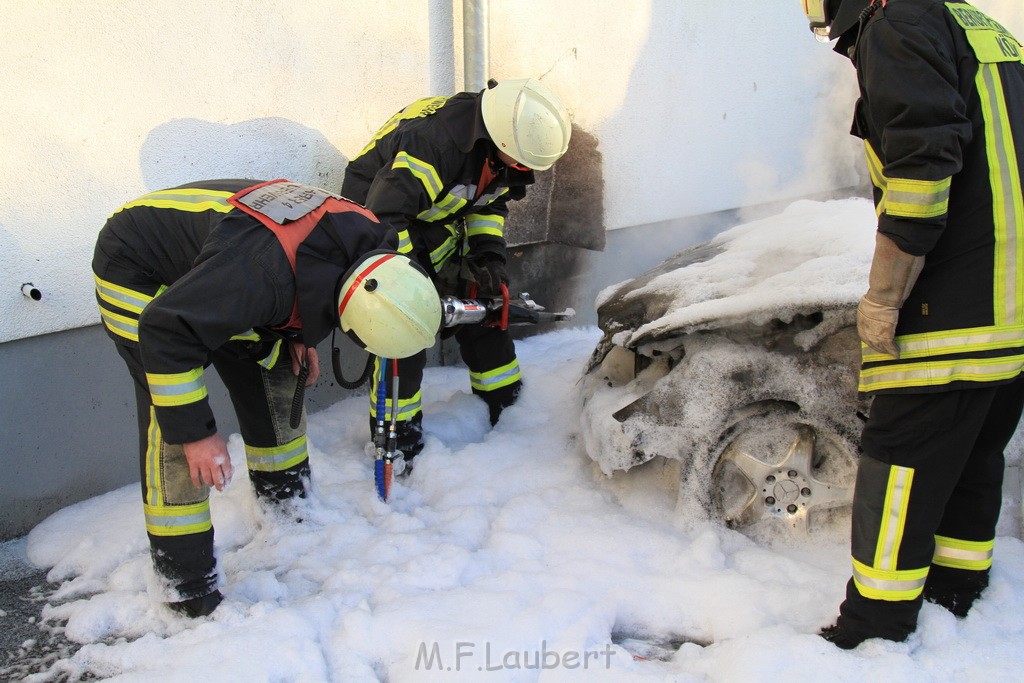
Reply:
x=422, y=170
x=962, y=554
x=897, y=497
x=889, y=585
x=916, y=204
x=272, y=460
x=489, y=197
x=131, y=301
x=120, y=324
x=271, y=359
x=1006, y=190
x=477, y=225
x=441, y=254
x=404, y=242
x=953, y=341
x=172, y=521
x=932, y=373
x=406, y=411
x=487, y=382
x=177, y=389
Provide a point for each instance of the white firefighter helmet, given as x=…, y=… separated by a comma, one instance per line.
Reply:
x=830, y=19
x=389, y=306
x=526, y=121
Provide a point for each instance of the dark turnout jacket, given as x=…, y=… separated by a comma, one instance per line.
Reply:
x=941, y=113
x=424, y=171
x=182, y=272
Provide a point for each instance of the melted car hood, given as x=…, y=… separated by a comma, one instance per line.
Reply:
x=814, y=256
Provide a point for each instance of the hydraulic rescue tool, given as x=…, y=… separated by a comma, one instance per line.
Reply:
x=500, y=312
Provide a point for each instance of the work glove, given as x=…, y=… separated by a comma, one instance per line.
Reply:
x=490, y=274
x=893, y=274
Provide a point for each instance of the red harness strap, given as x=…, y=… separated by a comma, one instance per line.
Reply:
x=293, y=233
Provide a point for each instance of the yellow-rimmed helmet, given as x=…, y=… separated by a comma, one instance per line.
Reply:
x=388, y=305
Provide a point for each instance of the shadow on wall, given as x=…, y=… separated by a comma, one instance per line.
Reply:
x=186, y=150
x=561, y=218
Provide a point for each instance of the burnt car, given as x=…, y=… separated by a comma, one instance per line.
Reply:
x=737, y=361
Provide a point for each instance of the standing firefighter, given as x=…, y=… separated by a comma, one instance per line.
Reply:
x=442, y=171
x=941, y=113
x=248, y=277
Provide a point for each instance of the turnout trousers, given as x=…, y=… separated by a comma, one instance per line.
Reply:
x=177, y=513
x=926, y=504
x=489, y=354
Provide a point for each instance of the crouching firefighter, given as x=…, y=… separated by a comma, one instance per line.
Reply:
x=442, y=172
x=941, y=114
x=247, y=277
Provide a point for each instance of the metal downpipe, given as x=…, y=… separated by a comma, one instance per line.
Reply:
x=475, y=44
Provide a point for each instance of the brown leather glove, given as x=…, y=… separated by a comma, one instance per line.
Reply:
x=893, y=274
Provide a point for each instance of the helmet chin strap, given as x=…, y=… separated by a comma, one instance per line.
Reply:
x=862, y=19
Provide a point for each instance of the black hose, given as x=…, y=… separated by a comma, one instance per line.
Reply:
x=300, y=393
x=336, y=364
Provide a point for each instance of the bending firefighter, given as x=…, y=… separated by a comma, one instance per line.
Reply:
x=941, y=114
x=441, y=172
x=247, y=277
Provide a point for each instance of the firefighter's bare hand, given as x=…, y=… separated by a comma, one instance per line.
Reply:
x=876, y=326
x=208, y=462
x=298, y=352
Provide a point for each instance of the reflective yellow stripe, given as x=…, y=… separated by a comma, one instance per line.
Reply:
x=877, y=177
x=973, y=555
x=1007, y=199
x=178, y=388
x=443, y=207
x=951, y=341
x=422, y=107
x=120, y=325
x=404, y=242
x=271, y=360
x=878, y=584
x=937, y=373
x=477, y=225
x=908, y=198
x=120, y=296
x=248, y=335
x=154, y=443
x=423, y=171
x=497, y=378
x=276, y=458
x=905, y=197
x=185, y=199
x=443, y=252
x=408, y=408
x=894, y=517
x=178, y=520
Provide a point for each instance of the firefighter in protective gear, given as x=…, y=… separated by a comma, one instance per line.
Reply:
x=244, y=276
x=941, y=114
x=442, y=171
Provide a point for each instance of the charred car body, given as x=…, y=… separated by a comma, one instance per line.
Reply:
x=738, y=358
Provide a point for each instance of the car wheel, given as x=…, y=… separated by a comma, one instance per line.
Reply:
x=778, y=469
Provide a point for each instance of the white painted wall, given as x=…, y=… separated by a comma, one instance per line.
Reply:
x=698, y=105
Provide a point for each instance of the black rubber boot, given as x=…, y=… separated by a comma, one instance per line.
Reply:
x=862, y=619
x=197, y=607
x=284, y=485
x=955, y=589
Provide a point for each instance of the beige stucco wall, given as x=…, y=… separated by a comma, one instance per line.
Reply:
x=696, y=106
